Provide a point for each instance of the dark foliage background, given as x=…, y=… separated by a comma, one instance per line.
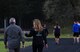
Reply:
x=48, y=11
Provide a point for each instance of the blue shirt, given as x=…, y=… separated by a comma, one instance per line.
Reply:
x=75, y=28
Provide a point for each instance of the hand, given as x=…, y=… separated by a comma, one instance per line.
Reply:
x=23, y=46
x=46, y=45
x=6, y=46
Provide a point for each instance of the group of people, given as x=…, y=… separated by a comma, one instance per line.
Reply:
x=14, y=34
x=75, y=30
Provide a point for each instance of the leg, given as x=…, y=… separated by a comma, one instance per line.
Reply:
x=17, y=49
x=77, y=37
x=40, y=48
x=34, y=48
x=11, y=50
x=57, y=39
x=74, y=39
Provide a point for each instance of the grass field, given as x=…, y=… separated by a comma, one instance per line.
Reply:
x=1, y=36
x=49, y=36
x=61, y=36
x=2, y=48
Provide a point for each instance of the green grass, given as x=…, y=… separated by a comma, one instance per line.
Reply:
x=49, y=36
x=61, y=36
x=2, y=48
x=1, y=36
x=27, y=44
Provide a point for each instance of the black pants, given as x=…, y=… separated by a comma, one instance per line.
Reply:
x=37, y=48
x=14, y=50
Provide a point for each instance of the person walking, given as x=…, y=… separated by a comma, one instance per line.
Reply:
x=76, y=32
x=39, y=36
x=57, y=33
x=13, y=36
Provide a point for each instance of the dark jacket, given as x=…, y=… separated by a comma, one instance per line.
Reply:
x=13, y=35
x=46, y=31
x=38, y=37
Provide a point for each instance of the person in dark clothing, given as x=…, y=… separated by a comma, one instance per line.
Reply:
x=39, y=36
x=76, y=31
x=13, y=36
x=57, y=33
x=45, y=29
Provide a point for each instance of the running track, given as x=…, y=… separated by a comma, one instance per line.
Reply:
x=66, y=45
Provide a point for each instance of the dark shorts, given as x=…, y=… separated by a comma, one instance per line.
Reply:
x=57, y=35
x=76, y=34
x=79, y=33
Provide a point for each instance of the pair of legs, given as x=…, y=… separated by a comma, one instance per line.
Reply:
x=57, y=38
x=14, y=50
x=37, y=48
x=76, y=37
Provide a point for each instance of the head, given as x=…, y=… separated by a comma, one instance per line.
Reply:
x=12, y=21
x=75, y=22
x=37, y=25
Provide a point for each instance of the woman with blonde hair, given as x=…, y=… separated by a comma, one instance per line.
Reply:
x=39, y=37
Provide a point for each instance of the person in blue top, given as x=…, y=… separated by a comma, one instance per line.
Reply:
x=57, y=33
x=76, y=32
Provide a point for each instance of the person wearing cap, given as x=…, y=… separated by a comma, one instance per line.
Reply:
x=13, y=36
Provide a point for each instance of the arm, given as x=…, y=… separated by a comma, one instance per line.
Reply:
x=54, y=29
x=30, y=34
x=59, y=28
x=46, y=31
x=5, y=38
x=44, y=38
x=21, y=36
